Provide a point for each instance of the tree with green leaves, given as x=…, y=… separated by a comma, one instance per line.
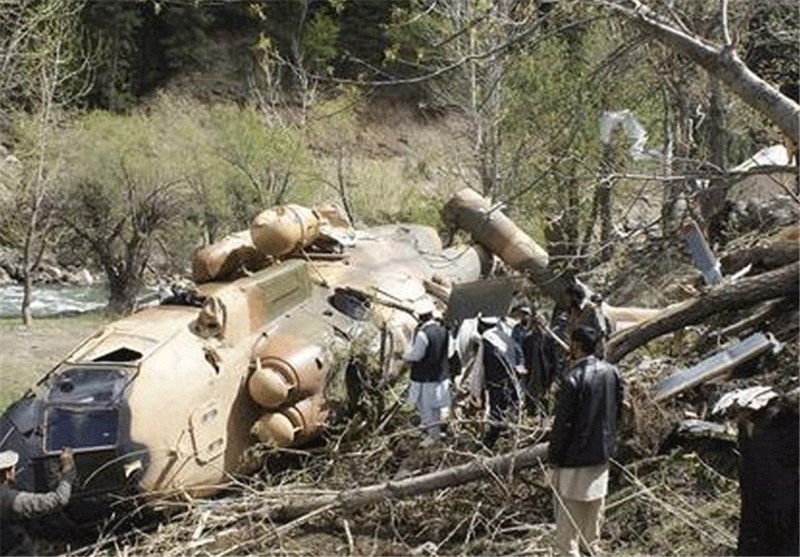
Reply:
x=126, y=191
x=297, y=43
x=719, y=58
x=44, y=73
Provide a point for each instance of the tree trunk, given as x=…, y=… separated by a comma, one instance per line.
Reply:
x=724, y=64
x=712, y=199
x=27, y=267
x=601, y=208
x=122, y=290
x=674, y=206
x=739, y=295
x=604, y=202
x=417, y=485
x=763, y=258
x=27, y=288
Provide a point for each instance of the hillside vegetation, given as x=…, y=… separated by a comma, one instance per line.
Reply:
x=135, y=132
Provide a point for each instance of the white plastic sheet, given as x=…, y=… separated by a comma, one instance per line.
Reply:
x=773, y=155
x=634, y=130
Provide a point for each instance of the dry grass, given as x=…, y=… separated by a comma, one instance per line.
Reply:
x=27, y=353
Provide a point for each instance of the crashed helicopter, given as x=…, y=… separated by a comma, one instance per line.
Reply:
x=171, y=398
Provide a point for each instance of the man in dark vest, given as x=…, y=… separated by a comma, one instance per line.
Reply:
x=583, y=440
x=18, y=506
x=428, y=354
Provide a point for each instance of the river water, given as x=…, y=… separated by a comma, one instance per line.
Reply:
x=54, y=299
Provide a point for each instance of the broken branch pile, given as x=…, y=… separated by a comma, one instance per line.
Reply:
x=384, y=495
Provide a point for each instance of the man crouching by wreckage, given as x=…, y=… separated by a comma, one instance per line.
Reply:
x=583, y=439
x=18, y=506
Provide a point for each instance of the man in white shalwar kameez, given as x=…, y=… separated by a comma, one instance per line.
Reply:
x=428, y=354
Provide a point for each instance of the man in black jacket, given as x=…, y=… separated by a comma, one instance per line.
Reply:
x=582, y=442
x=18, y=506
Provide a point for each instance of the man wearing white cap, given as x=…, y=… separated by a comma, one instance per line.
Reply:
x=430, y=376
x=16, y=506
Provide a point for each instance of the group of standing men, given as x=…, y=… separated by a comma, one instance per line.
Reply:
x=517, y=358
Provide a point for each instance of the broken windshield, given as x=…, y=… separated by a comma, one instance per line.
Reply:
x=87, y=386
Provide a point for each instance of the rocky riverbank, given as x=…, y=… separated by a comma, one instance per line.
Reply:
x=48, y=271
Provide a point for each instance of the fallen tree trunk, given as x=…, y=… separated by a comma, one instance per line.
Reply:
x=746, y=292
x=760, y=314
x=761, y=257
x=416, y=485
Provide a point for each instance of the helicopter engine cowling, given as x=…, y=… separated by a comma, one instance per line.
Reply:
x=286, y=369
x=293, y=424
x=226, y=258
x=284, y=229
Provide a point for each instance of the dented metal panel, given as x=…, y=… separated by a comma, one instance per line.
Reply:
x=701, y=253
x=490, y=297
x=720, y=363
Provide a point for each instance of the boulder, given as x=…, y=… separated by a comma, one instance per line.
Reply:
x=82, y=278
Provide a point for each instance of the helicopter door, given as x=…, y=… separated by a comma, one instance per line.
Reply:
x=208, y=432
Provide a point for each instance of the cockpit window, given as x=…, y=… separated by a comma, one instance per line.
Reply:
x=80, y=428
x=120, y=355
x=87, y=386
x=82, y=408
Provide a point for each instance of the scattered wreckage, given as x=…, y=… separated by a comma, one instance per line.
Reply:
x=270, y=346
x=264, y=350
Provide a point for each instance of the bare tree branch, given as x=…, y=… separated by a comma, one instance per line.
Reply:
x=720, y=61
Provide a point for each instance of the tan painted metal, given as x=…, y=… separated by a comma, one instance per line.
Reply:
x=284, y=229
x=286, y=367
x=225, y=258
x=489, y=227
x=259, y=361
x=293, y=424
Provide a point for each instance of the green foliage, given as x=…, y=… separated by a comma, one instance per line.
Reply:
x=33, y=36
x=261, y=165
x=212, y=168
x=305, y=35
x=14, y=201
x=319, y=39
x=364, y=36
x=139, y=45
x=555, y=94
x=420, y=208
x=126, y=194
x=114, y=27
